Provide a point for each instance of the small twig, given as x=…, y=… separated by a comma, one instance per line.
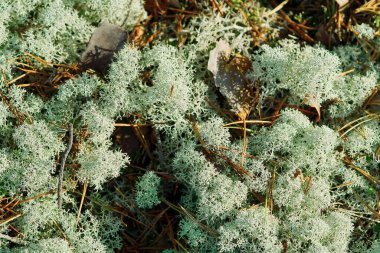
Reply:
x=34, y=197
x=244, y=142
x=370, y=178
x=127, y=16
x=13, y=239
x=279, y=7
x=63, y=161
x=358, y=124
x=19, y=117
x=293, y=24
x=217, y=6
x=248, y=122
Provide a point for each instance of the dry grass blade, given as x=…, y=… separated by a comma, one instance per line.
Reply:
x=198, y=135
x=38, y=59
x=278, y=8
x=373, y=6
x=238, y=168
x=308, y=184
x=366, y=174
x=145, y=233
x=14, y=200
x=17, y=78
x=269, y=195
x=346, y=72
x=232, y=150
x=130, y=125
x=143, y=140
x=372, y=97
x=371, y=117
x=183, y=211
x=35, y=197
x=60, y=230
x=3, y=222
x=62, y=167
x=297, y=29
x=25, y=85
x=20, y=117
x=82, y=200
x=356, y=214
x=244, y=148
x=375, y=102
x=353, y=121
x=126, y=215
x=240, y=128
x=342, y=185
x=248, y=122
x=181, y=246
x=214, y=3
x=361, y=200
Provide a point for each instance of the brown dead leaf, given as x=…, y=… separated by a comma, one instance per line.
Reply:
x=229, y=76
x=312, y=100
x=138, y=36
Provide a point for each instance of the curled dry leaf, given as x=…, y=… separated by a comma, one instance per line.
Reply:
x=229, y=76
x=342, y=2
x=138, y=35
x=218, y=55
x=312, y=100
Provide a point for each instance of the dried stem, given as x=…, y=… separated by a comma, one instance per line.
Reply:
x=13, y=239
x=62, y=167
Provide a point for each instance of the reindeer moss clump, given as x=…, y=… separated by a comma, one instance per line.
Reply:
x=152, y=154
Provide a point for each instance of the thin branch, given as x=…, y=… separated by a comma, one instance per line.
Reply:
x=127, y=16
x=13, y=239
x=63, y=161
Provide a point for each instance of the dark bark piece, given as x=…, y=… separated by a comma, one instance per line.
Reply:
x=106, y=40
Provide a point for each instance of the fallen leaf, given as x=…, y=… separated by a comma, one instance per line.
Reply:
x=230, y=78
x=342, y=2
x=312, y=100
x=242, y=63
x=138, y=36
x=218, y=56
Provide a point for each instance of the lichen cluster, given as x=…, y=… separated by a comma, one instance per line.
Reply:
x=296, y=183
